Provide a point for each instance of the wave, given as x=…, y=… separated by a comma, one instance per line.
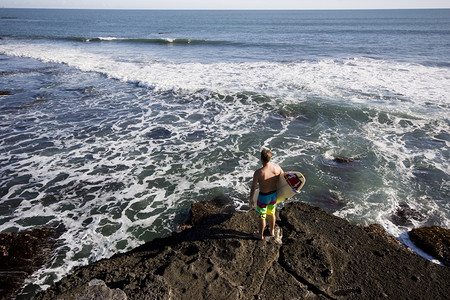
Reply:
x=161, y=41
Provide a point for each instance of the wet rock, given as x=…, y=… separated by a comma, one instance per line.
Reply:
x=434, y=240
x=378, y=230
x=5, y=93
x=405, y=214
x=20, y=254
x=218, y=205
x=344, y=159
x=321, y=257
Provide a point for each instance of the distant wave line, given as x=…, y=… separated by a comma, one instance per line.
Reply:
x=162, y=41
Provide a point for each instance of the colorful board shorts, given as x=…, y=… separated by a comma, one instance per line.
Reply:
x=266, y=204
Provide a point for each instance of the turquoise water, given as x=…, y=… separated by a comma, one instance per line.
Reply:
x=118, y=120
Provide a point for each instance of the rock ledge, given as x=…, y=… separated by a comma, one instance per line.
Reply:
x=320, y=256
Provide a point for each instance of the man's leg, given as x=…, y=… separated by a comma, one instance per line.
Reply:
x=271, y=214
x=261, y=208
x=272, y=219
x=261, y=227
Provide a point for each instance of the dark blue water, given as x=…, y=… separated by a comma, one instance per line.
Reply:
x=118, y=120
x=406, y=35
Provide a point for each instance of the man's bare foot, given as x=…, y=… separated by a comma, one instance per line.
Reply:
x=272, y=233
x=257, y=236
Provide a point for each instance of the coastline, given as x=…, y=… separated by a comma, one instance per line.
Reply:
x=315, y=255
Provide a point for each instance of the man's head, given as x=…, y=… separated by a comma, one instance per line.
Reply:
x=266, y=155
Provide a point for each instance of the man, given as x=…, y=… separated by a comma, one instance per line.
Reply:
x=267, y=178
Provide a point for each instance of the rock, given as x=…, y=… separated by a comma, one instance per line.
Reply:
x=343, y=159
x=5, y=93
x=434, y=240
x=405, y=214
x=328, y=201
x=321, y=256
x=95, y=289
x=378, y=230
x=20, y=254
x=218, y=205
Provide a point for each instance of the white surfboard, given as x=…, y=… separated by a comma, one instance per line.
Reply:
x=288, y=185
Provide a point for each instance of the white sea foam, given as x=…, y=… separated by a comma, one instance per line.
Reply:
x=109, y=38
x=401, y=86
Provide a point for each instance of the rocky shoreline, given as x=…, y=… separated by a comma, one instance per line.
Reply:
x=315, y=255
x=20, y=255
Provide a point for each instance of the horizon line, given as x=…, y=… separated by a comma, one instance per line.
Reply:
x=228, y=9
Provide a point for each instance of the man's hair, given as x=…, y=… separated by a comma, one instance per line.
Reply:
x=266, y=155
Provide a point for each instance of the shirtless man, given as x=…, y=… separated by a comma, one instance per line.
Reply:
x=267, y=178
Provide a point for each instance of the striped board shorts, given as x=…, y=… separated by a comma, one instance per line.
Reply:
x=266, y=204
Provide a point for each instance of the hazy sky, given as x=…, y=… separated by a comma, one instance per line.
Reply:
x=227, y=4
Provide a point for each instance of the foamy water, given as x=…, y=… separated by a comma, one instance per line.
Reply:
x=111, y=141
x=359, y=80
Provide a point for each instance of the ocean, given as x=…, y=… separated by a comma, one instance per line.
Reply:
x=118, y=120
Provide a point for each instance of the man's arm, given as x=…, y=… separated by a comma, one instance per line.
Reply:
x=253, y=188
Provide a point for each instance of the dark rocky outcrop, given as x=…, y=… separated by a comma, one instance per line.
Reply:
x=434, y=240
x=20, y=254
x=405, y=214
x=314, y=256
x=5, y=93
x=218, y=205
x=344, y=159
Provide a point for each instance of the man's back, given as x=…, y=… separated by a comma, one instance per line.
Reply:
x=268, y=177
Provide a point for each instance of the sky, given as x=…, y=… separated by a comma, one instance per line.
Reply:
x=226, y=4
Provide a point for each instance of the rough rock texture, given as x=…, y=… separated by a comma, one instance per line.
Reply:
x=20, y=254
x=218, y=205
x=316, y=256
x=93, y=290
x=434, y=240
x=378, y=230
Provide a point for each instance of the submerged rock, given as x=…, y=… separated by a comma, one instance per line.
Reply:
x=20, y=254
x=434, y=240
x=329, y=202
x=321, y=256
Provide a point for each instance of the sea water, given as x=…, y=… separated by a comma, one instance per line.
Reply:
x=118, y=120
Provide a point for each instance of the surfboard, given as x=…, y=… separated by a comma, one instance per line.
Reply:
x=289, y=184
